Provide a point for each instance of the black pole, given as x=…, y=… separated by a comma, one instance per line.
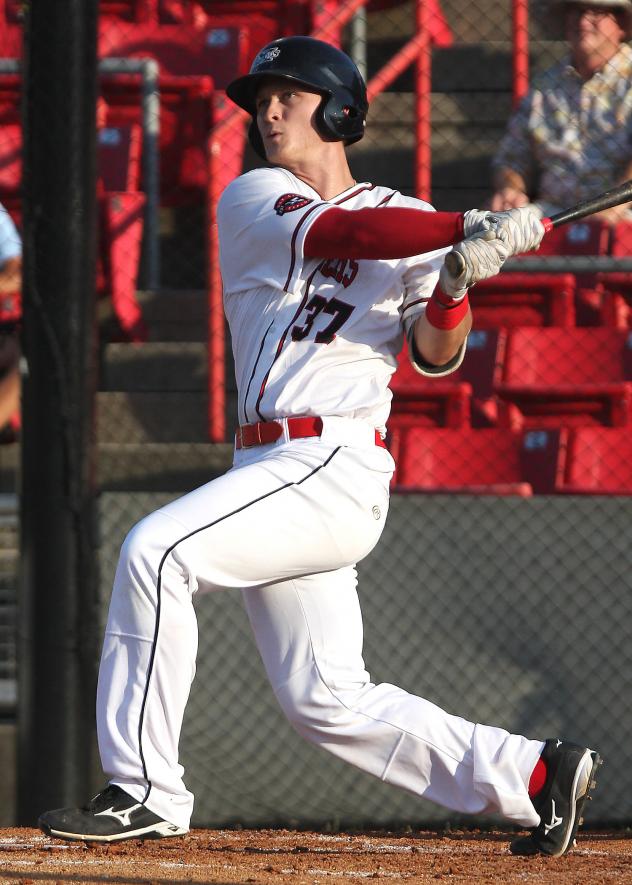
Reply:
x=58, y=604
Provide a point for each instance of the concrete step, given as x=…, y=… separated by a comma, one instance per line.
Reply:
x=171, y=315
x=173, y=466
x=176, y=467
x=455, y=120
x=140, y=417
x=155, y=366
x=467, y=66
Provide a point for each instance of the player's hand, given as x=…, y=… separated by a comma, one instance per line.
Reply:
x=483, y=255
x=521, y=229
x=476, y=220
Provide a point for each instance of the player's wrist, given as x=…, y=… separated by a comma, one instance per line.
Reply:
x=445, y=312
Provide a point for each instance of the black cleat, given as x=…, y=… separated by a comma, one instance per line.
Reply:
x=110, y=817
x=570, y=776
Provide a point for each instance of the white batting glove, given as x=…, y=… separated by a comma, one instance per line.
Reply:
x=476, y=220
x=521, y=229
x=484, y=254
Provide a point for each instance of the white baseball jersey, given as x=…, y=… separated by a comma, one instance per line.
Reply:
x=313, y=336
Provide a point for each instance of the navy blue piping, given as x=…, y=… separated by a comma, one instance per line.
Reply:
x=167, y=553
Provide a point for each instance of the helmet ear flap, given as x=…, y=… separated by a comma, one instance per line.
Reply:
x=324, y=122
x=342, y=119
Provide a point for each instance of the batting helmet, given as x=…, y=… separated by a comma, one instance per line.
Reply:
x=303, y=60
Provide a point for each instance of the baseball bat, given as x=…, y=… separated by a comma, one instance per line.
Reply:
x=606, y=200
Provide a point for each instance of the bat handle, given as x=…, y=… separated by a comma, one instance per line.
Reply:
x=455, y=262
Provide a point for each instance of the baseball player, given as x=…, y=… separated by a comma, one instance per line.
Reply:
x=323, y=276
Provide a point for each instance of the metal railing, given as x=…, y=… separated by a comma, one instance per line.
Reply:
x=148, y=70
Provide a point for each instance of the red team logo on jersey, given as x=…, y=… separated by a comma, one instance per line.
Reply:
x=290, y=203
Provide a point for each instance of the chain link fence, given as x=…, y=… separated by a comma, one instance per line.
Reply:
x=523, y=455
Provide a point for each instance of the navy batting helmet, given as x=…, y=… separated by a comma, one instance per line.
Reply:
x=314, y=63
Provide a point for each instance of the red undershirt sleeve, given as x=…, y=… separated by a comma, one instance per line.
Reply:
x=384, y=232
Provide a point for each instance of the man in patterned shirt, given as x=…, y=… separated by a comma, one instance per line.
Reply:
x=571, y=137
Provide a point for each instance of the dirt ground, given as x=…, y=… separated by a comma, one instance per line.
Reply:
x=270, y=857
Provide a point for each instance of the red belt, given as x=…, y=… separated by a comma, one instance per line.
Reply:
x=264, y=432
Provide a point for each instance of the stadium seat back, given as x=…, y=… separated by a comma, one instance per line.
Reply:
x=442, y=459
x=438, y=402
x=586, y=237
x=567, y=357
x=524, y=299
x=124, y=10
x=219, y=51
x=599, y=461
x=119, y=157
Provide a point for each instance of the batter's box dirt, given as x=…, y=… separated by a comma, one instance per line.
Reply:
x=271, y=857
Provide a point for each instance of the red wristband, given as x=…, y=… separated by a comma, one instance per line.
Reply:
x=444, y=315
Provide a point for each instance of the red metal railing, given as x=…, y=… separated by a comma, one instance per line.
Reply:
x=520, y=35
x=225, y=152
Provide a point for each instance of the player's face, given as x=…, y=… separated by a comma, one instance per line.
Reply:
x=285, y=117
x=593, y=31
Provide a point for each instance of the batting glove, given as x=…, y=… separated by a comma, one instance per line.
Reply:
x=483, y=254
x=476, y=220
x=521, y=229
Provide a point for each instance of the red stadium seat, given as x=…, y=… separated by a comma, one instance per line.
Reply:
x=617, y=300
x=121, y=222
x=221, y=51
x=598, y=461
x=119, y=156
x=587, y=237
x=466, y=397
x=492, y=461
x=121, y=213
x=265, y=19
x=127, y=10
x=524, y=299
x=11, y=28
x=434, y=402
x=482, y=370
x=566, y=377
x=193, y=63
x=545, y=299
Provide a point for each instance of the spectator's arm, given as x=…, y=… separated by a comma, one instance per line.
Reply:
x=514, y=163
x=11, y=275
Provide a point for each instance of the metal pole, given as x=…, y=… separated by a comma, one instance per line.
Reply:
x=58, y=611
x=520, y=37
x=359, y=40
x=150, y=108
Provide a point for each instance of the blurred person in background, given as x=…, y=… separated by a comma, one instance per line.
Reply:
x=10, y=282
x=571, y=136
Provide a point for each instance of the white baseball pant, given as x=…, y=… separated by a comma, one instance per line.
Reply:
x=285, y=525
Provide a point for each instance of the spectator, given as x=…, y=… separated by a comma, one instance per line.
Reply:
x=571, y=137
x=10, y=281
